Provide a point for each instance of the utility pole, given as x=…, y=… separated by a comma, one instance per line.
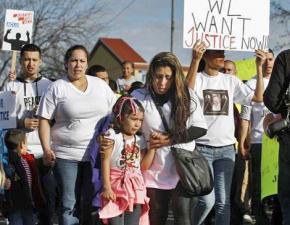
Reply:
x=172, y=26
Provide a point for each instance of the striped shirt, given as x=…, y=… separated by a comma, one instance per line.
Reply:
x=27, y=172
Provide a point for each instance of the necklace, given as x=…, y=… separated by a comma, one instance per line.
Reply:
x=127, y=159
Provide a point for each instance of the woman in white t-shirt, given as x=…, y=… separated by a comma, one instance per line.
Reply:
x=217, y=92
x=76, y=102
x=166, y=87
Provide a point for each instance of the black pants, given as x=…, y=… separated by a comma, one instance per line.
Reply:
x=284, y=177
x=127, y=218
x=257, y=206
x=238, y=208
x=182, y=206
x=84, y=194
x=48, y=185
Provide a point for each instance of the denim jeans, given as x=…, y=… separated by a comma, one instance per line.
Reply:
x=75, y=188
x=221, y=161
x=257, y=205
x=284, y=177
x=127, y=218
x=22, y=217
x=182, y=205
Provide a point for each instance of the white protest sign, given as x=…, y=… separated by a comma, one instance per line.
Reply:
x=17, y=29
x=227, y=24
x=7, y=110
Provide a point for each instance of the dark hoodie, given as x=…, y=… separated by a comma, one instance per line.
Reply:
x=20, y=195
x=278, y=84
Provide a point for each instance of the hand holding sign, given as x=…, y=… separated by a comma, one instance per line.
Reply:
x=198, y=49
x=11, y=75
x=260, y=57
x=227, y=24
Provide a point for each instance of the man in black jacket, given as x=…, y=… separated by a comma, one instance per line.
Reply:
x=274, y=99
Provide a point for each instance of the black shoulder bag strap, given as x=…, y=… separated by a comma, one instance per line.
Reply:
x=158, y=107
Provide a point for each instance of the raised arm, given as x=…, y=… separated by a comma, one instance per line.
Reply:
x=197, y=53
x=6, y=35
x=28, y=37
x=259, y=91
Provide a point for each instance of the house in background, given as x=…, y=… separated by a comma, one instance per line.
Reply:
x=111, y=52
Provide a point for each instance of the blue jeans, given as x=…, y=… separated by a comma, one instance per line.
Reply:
x=75, y=189
x=284, y=177
x=221, y=161
x=22, y=217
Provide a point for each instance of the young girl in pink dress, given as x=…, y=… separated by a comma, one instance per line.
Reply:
x=124, y=200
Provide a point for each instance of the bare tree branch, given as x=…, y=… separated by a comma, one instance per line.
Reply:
x=57, y=26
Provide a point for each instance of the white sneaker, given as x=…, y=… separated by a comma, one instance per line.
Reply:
x=247, y=218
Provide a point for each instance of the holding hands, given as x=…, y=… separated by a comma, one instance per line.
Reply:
x=48, y=157
x=158, y=140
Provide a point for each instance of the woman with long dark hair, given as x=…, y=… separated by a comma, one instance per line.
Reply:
x=166, y=88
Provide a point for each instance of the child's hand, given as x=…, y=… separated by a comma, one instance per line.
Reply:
x=7, y=184
x=108, y=194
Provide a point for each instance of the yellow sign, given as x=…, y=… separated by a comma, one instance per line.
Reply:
x=269, y=166
x=246, y=68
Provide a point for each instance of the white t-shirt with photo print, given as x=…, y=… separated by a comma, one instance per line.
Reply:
x=126, y=154
x=217, y=95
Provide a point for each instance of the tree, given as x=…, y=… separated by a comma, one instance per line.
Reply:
x=57, y=26
x=280, y=25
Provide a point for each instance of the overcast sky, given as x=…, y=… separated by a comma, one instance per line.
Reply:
x=145, y=25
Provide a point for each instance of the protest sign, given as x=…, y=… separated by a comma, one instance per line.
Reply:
x=17, y=29
x=7, y=110
x=269, y=166
x=227, y=24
